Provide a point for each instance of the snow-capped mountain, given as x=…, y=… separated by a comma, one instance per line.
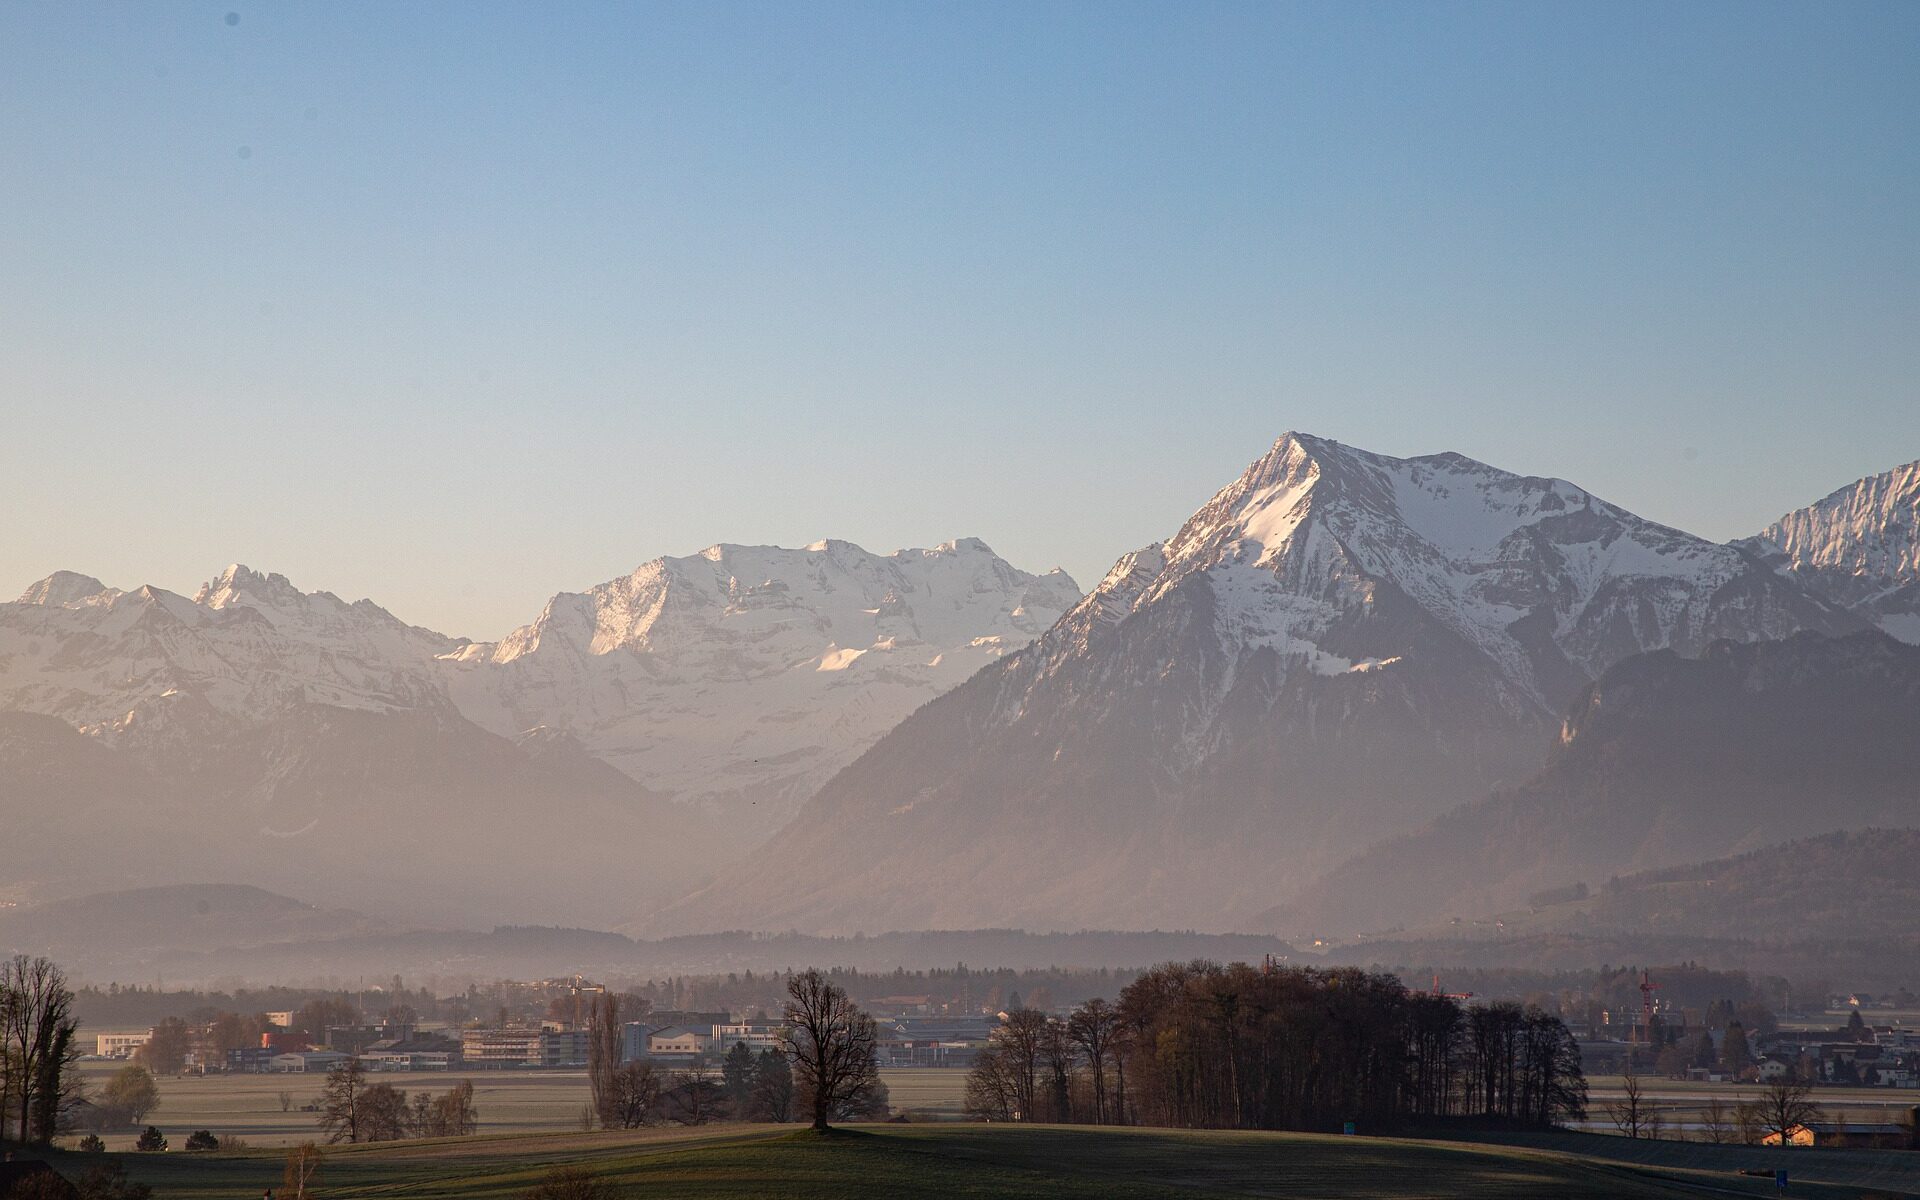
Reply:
x=741, y=678
x=253, y=733
x=1336, y=646
x=243, y=648
x=1859, y=547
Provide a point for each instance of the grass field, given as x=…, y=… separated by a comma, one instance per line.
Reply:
x=955, y=1160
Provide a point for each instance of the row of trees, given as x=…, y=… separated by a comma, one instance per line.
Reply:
x=1201, y=1044
x=1777, y=1109
x=354, y=1110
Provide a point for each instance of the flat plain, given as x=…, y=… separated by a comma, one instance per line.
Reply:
x=248, y=1106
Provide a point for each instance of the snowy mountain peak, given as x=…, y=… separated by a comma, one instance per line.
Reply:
x=1337, y=646
x=239, y=580
x=1543, y=578
x=63, y=588
x=742, y=676
x=1860, y=546
x=243, y=649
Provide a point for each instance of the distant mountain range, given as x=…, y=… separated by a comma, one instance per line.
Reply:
x=1336, y=648
x=273, y=736
x=1341, y=658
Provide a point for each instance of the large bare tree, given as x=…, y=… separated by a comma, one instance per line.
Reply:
x=1094, y=1027
x=343, y=1112
x=36, y=1045
x=1631, y=1113
x=1783, y=1106
x=831, y=1044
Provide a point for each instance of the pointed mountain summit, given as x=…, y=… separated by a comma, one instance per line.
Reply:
x=1338, y=645
x=1859, y=547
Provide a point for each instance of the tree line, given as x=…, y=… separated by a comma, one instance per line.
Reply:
x=1277, y=1047
x=354, y=1110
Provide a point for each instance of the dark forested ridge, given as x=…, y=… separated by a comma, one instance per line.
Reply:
x=1665, y=761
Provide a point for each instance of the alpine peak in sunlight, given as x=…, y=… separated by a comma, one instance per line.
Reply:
x=1336, y=647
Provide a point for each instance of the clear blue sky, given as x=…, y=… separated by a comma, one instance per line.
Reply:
x=456, y=305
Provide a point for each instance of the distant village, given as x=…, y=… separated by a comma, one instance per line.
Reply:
x=1657, y=1039
x=913, y=1032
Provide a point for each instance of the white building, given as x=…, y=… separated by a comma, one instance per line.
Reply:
x=302, y=1061
x=676, y=1041
x=514, y=1047
x=119, y=1045
x=754, y=1035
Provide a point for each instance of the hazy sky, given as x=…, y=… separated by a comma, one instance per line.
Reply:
x=458, y=305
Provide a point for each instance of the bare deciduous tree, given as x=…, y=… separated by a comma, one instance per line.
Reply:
x=1022, y=1039
x=37, y=1047
x=1717, y=1123
x=303, y=1166
x=634, y=1097
x=341, y=1108
x=1093, y=1028
x=1631, y=1113
x=991, y=1094
x=831, y=1044
x=1783, y=1106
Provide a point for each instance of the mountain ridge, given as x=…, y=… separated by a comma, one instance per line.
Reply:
x=1665, y=761
x=1335, y=646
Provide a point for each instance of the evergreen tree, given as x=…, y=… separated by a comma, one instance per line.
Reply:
x=1735, y=1054
x=736, y=1075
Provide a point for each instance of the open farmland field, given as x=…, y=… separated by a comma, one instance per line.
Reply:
x=248, y=1106
x=961, y=1160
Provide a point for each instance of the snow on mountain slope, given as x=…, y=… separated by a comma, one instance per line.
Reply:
x=1859, y=547
x=741, y=678
x=243, y=648
x=1540, y=576
x=1335, y=647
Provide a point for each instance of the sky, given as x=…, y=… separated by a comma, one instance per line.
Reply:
x=458, y=305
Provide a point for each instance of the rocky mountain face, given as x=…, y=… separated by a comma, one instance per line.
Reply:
x=741, y=678
x=254, y=733
x=1666, y=760
x=1336, y=647
x=1859, y=547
